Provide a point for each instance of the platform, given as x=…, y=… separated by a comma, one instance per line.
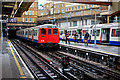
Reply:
x=11, y=64
x=110, y=50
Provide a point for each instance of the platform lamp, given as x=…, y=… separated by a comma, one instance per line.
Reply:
x=95, y=24
x=66, y=17
x=50, y=20
x=1, y=21
x=54, y=19
x=1, y=36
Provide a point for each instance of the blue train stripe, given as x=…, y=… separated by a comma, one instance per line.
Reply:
x=116, y=43
x=30, y=39
x=97, y=41
x=35, y=40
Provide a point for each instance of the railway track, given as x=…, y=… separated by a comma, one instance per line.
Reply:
x=98, y=72
x=95, y=71
x=40, y=69
x=79, y=69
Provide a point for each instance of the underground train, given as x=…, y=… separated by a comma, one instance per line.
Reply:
x=105, y=33
x=46, y=35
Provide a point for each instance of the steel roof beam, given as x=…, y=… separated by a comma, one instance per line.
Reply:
x=96, y=2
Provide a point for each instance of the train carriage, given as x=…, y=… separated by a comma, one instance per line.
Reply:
x=45, y=35
x=105, y=33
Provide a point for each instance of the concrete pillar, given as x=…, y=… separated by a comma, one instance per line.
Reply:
x=116, y=18
x=108, y=19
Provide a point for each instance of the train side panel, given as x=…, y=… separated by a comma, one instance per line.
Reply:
x=115, y=36
x=98, y=35
x=35, y=35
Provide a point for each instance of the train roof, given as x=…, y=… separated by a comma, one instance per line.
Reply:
x=41, y=26
x=108, y=25
x=47, y=26
x=102, y=25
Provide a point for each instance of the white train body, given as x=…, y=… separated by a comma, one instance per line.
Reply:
x=105, y=33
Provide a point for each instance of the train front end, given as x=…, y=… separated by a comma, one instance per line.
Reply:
x=49, y=36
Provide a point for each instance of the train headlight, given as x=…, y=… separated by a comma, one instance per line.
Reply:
x=42, y=40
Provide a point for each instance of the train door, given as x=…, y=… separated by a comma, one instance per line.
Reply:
x=35, y=35
x=105, y=35
x=28, y=35
x=50, y=34
x=80, y=34
x=25, y=34
x=42, y=36
x=32, y=35
x=55, y=35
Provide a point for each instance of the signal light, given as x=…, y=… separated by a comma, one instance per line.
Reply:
x=65, y=62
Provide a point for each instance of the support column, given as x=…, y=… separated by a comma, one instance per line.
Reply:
x=108, y=19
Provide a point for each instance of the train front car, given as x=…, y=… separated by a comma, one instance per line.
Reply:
x=48, y=35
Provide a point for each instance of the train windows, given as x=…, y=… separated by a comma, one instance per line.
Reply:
x=90, y=31
x=43, y=31
x=55, y=31
x=84, y=31
x=118, y=32
x=49, y=31
x=115, y=32
x=61, y=32
x=74, y=23
x=26, y=33
x=73, y=32
x=69, y=32
x=97, y=32
x=35, y=33
x=30, y=32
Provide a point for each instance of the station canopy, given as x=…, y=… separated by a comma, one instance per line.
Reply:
x=96, y=2
x=14, y=8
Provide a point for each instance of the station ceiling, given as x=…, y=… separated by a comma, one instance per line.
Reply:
x=96, y=2
x=15, y=8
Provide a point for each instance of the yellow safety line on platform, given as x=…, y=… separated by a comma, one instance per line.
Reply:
x=17, y=63
x=23, y=77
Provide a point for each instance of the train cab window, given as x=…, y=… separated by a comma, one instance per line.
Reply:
x=43, y=31
x=49, y=31
x=55, y=31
